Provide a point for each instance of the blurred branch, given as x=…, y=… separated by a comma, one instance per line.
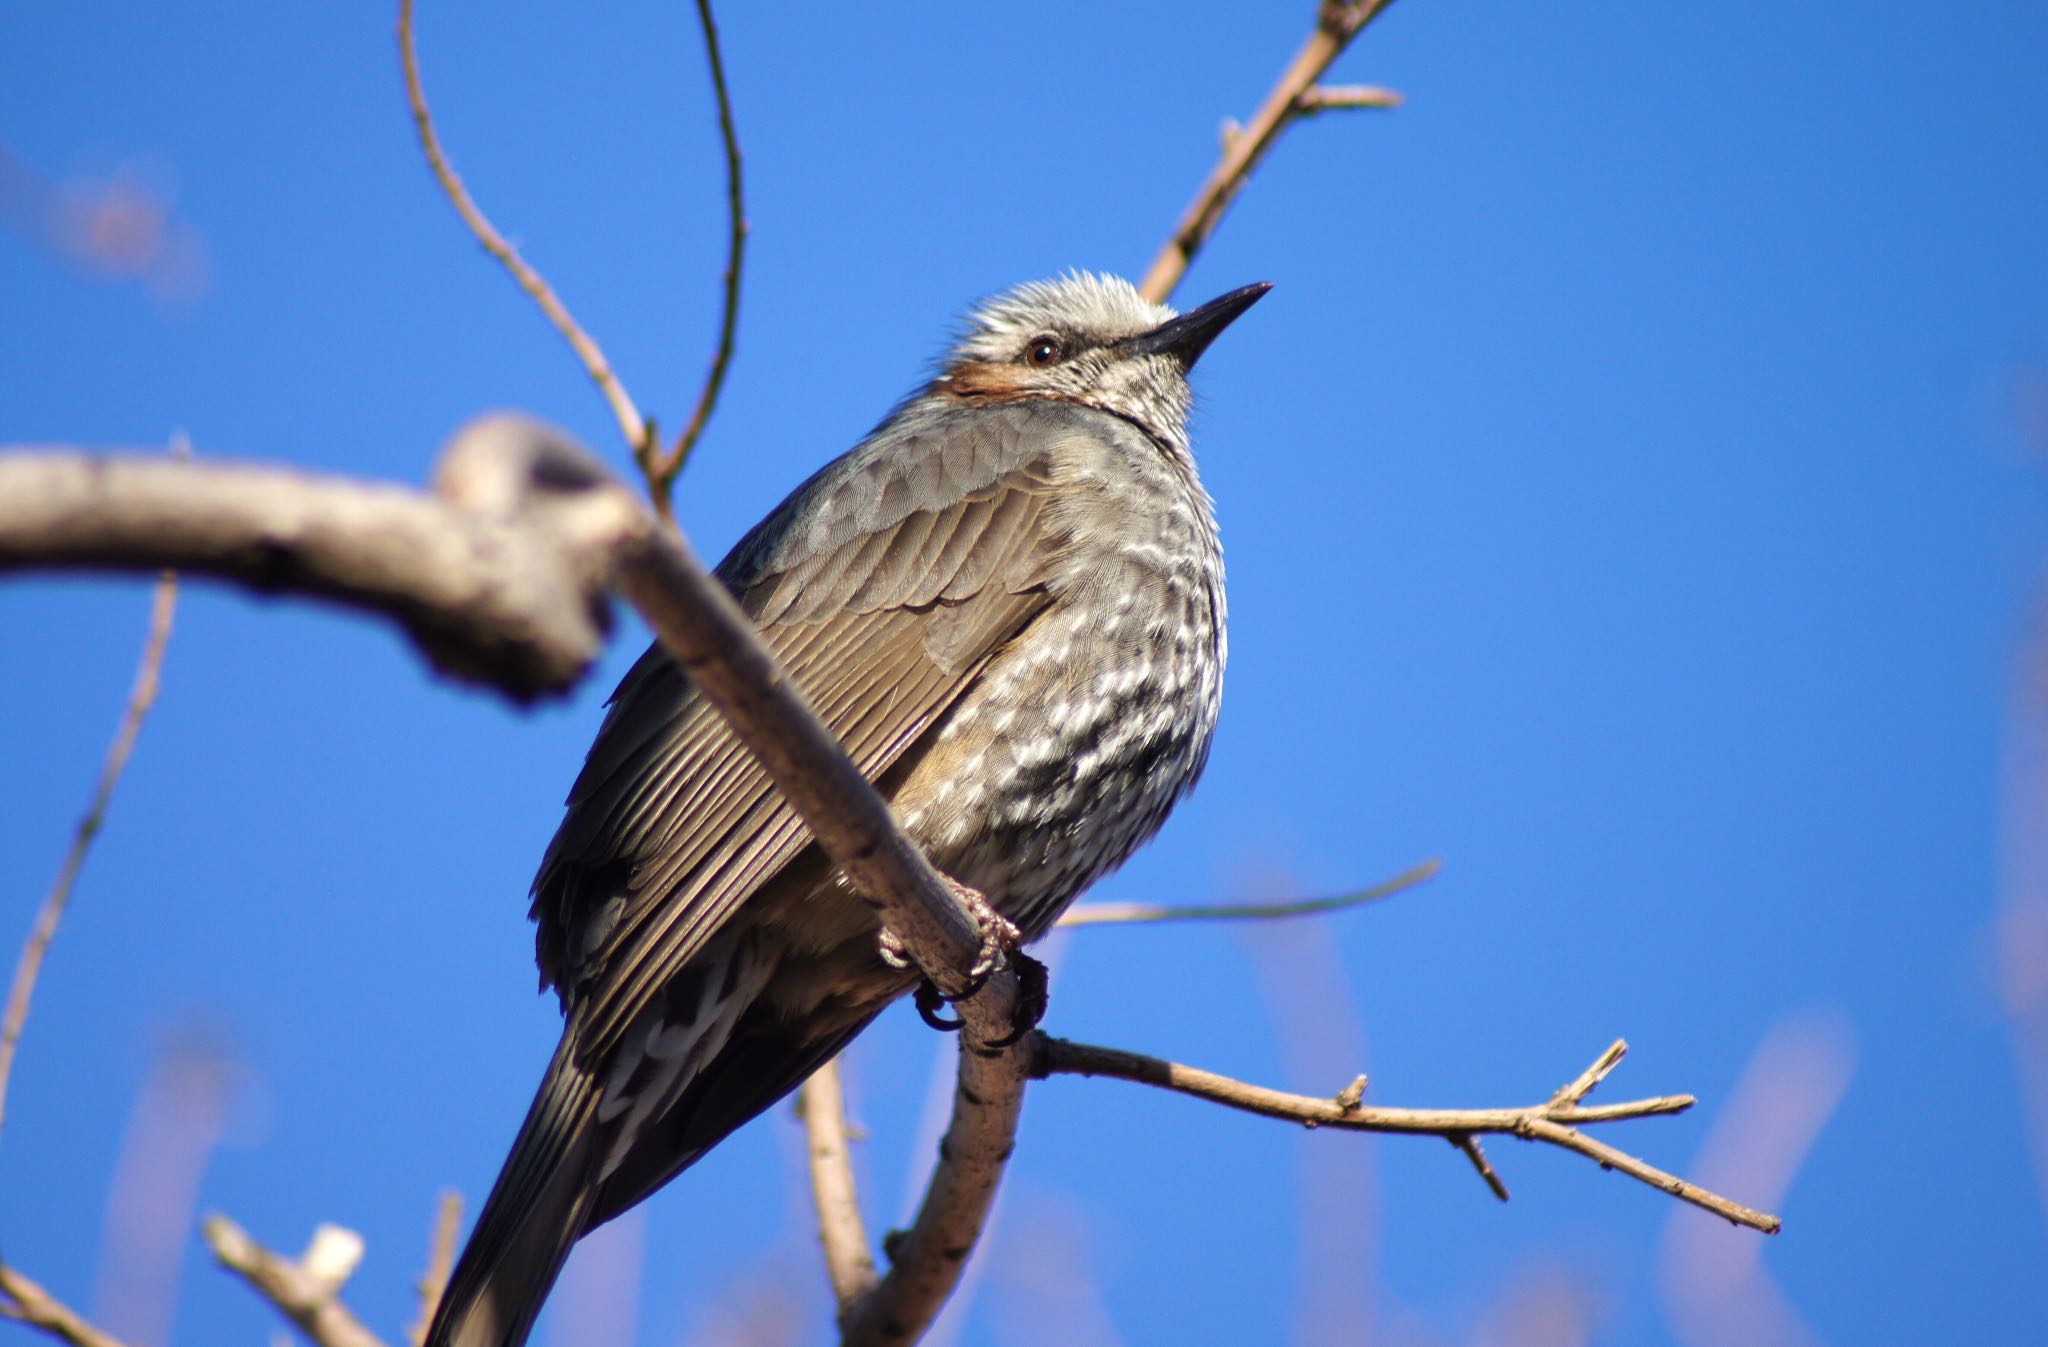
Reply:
x=141, y=696
x=1104, y=914
x=849, y=1264
x=306, y=1290
x=1555, y=1121
x=1345, y=97
x=662, y=469
x=26, y=1302
x=631, y=425
x=498, y=578
x=1295, y=95
x=433, y=1282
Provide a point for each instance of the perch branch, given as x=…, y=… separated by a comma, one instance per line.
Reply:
x=662, y=469
x=305, y=1290
x=141, y=696
x=25, y=1302
x=1337, y=22
x=631, y=424
x=1104, y=914
x=1556, y=1120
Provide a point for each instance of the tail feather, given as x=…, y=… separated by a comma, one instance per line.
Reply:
x=537, y=1210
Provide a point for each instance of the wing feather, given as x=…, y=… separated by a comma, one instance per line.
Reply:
x=919, y=562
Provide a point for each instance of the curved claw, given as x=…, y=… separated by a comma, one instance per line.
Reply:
x=929, y=1004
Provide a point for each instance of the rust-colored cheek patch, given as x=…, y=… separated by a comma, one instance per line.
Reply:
x=978, y=381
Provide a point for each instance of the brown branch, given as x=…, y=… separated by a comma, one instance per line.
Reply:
x=499, y=580
x=715, y=645
x=925, y=1261
x=141, y=696
x=1337, y=22
x=631, y=425
x=661, y=470
x=1104, y=914
x=849, y=1265
x=433, y=1283
x=1556, y=1120
x=306, y=1290
x=26, y=1302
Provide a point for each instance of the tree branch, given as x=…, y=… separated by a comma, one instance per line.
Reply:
x=433, y=1283
x=1337, y=22
x=1556, y=1120
x=661, y=470
x=631, y=424
x=497, y=581
x=926, y=1260
x=849, y=1264
x=26, y=1302
x=306, y=1290
x=1106, y=914
x=141, y=696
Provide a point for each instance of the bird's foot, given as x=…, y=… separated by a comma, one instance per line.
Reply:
x=999, y=935
x=1000, y=939
x=1032, y=999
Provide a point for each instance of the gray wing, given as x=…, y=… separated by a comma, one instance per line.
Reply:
x=923, y=554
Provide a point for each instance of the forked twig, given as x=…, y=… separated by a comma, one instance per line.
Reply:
x=1296, y=94
x=305, y=1290
x=141, y=697
x=1556, y=1120
x=631, y=424
x=661, y=469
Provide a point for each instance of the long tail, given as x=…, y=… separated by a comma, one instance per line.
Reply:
x=538, y=1208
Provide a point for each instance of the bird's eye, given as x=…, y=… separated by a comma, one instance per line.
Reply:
x=1043, y=351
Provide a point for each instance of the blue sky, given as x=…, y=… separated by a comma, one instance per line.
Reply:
x=1627, y=498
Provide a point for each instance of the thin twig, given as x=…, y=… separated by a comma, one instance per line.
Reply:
x=1582, y=1085
x=1336, y=24
x=306, y=1290
x=1103, y=914
x=1552, y=1121
x=1469, y=1145
x=26, y=1302
x=661, y=470
x=631, y=424
x=849, y=1263
x=141, y=697
x=440, y=1260
x=1345, y=97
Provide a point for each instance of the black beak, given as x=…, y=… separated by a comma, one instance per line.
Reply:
x=1186, y=337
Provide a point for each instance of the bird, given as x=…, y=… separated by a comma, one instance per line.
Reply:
x=1007, y=602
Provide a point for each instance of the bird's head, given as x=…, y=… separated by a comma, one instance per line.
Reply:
x=1088, y=339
